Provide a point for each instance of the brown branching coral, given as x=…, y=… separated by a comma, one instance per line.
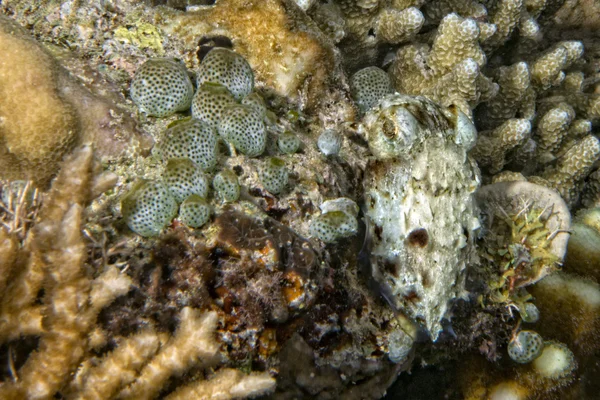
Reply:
x=53, y=257
x=448, y=71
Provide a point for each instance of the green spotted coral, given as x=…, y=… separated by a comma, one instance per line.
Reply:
x=274, y=175
x=209, y=102
x=369, y=85
x=226, y=185
x=194, y=211
x=228, y=68
x=525, y=347
x=162, y=87
x=184, y=178
x=255, y=101
x=244, y=128
x=193, y=139
x=148, y=207
x=288, y=142
x=334, y=225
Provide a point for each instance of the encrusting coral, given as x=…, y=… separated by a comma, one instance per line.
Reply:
x=45, y=112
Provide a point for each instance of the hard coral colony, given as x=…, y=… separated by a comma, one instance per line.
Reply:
x=299, y=199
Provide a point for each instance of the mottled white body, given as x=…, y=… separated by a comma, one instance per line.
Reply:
x=419, y=204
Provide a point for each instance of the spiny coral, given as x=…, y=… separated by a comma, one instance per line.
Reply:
x=525, y=238
x=162, y=87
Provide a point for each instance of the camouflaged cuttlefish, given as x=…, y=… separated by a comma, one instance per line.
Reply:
x=420, y=207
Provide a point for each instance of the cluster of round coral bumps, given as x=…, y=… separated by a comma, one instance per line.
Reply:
x=550, y=359
x=224, y=108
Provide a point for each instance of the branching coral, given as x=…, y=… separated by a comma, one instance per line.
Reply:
x=53, y=257
x=449, y=70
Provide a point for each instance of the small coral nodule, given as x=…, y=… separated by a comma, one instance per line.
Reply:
x=226, y=185
x=333, y=226
x=288, y=142
x=555, y=362
x=162, y=87
x=529, y=313
x=274, y=175
x=369, y=86
x=329, y=142
x=194, y=211
x=148, y=207
x=228, y=68
x=525, y=347
x=193, y=139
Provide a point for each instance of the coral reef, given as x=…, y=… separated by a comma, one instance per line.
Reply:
x=391, y=188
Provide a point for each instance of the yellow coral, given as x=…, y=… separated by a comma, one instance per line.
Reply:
x=142, y=35
x=38, y=126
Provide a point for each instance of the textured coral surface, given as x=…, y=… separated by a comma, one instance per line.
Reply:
x=341, y=191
